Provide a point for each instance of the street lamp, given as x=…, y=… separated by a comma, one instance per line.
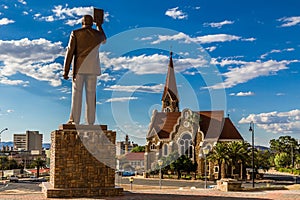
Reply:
x=205, y=152
x=160, y=162
x=2, y=146
x=2, y=131
x=251, y=129
x=131, y=181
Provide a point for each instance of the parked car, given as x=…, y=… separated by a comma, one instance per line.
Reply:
x=13, y=178
x=128, y=173
x=33, y=178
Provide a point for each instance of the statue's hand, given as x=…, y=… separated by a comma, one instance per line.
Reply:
x=66, y=77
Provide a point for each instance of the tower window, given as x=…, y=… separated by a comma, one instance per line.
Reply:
x=167, y=109
x=152, y=146
x=167, y=103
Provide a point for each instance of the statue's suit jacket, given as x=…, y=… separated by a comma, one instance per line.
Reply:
x=84, y=46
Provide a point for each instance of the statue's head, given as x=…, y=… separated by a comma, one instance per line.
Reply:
x=87, y=20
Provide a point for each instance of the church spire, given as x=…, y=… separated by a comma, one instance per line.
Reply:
x=170, y=99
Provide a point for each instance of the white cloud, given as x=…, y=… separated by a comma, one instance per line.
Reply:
x=22, y=2
x=106, y=77
x=248, y=39
x=242, y=94
x=5, y=81
x=200, y=39
x=210, y=49
x=280, y=94
x=227, y=61
x=275, y=51
x=151, y=64
x=33, y=58
x=218, y=24
x=216, y=38
x=65, y=90
x=121, y=99
x=289, y=21
x=146, y=38
x=71, y=16
x=5, y=21
x=249, y=70
x=276, y=122
x=176, y=14
x=137, y=88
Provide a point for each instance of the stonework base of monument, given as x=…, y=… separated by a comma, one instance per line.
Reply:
x=51, y=192
x=82, y=162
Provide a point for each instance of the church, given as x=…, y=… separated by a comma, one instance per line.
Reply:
x=186, y=131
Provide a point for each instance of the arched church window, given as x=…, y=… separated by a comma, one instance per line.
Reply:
x=186, y=145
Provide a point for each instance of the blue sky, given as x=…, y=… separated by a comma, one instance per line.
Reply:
x=238, y=56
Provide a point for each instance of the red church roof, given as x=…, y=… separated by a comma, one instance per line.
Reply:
x=212, y=124
x=135, y=156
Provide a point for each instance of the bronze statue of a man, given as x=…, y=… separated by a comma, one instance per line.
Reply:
x=83, y=49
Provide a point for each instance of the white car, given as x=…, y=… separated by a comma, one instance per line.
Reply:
x=13, y=178
x=33, y=178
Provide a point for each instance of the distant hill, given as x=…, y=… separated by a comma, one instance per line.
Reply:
x=11, y=144
x=262, y=148
x=46, y=145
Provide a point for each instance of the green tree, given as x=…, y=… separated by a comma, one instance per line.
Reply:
x=262, y=159
x=7, y=164
x=39, y=163
x=3, y=162
x=282, y=159
x=297, y=161
x=12, y=164
x=238, y=156
x=220, y=155
x=167, y=162
x=138, y=149
x=179, y=165
x=285, y=144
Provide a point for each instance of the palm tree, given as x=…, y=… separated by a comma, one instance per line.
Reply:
x=238, y=153
x=39, y=163
x=219, y=154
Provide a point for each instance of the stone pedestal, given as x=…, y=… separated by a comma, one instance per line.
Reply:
x=229, y=185
x=82, y=162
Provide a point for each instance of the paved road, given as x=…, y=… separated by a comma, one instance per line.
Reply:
x=283, y=179
x=157, y=194
x=275, y=180
x=31, y=191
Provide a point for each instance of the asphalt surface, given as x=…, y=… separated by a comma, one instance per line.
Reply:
x=148, y=189
x=275, y=180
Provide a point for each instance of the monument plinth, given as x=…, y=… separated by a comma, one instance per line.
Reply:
x=82, y=162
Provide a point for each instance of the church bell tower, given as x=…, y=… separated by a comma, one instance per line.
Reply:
x=170, y=99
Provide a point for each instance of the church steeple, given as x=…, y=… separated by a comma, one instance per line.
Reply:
x=170, y=99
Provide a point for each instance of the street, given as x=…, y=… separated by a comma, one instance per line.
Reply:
x=275, y=180
x=171, y=189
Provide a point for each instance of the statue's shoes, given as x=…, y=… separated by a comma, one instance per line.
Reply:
x=71, y=122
